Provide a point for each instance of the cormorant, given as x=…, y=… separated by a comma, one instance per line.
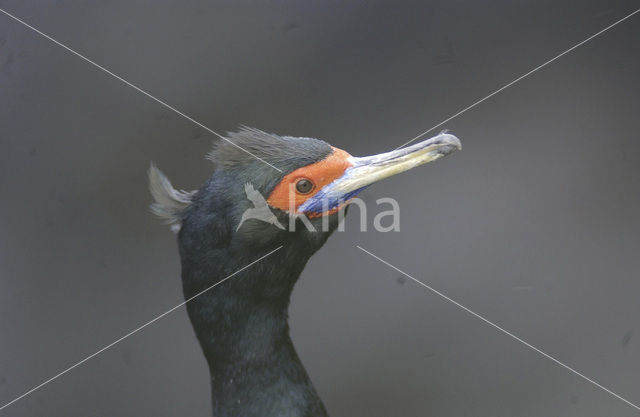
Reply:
x=242, y=324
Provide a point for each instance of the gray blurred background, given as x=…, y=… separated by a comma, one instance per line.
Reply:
x=535, y=224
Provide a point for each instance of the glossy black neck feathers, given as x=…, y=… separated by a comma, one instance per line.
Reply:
x=241, y=324
x=242, y=328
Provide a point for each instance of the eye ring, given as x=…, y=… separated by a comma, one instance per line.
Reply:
x=304, y=186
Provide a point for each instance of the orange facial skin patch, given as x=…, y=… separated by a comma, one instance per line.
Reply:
x=321, y=173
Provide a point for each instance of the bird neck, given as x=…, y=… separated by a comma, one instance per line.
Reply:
x=242, y=327
x=255, y=368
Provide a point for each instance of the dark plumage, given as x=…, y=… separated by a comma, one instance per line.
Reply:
x=242, y=324
x=284, y=152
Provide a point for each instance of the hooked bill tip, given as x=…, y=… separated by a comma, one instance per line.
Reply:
x=450, y=140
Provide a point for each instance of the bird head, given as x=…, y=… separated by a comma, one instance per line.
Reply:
x=267, y=189
x=302, y=182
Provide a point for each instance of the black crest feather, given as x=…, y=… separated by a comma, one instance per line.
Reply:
x=284, y=152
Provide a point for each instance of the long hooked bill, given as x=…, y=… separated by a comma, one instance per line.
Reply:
x=364, y=171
